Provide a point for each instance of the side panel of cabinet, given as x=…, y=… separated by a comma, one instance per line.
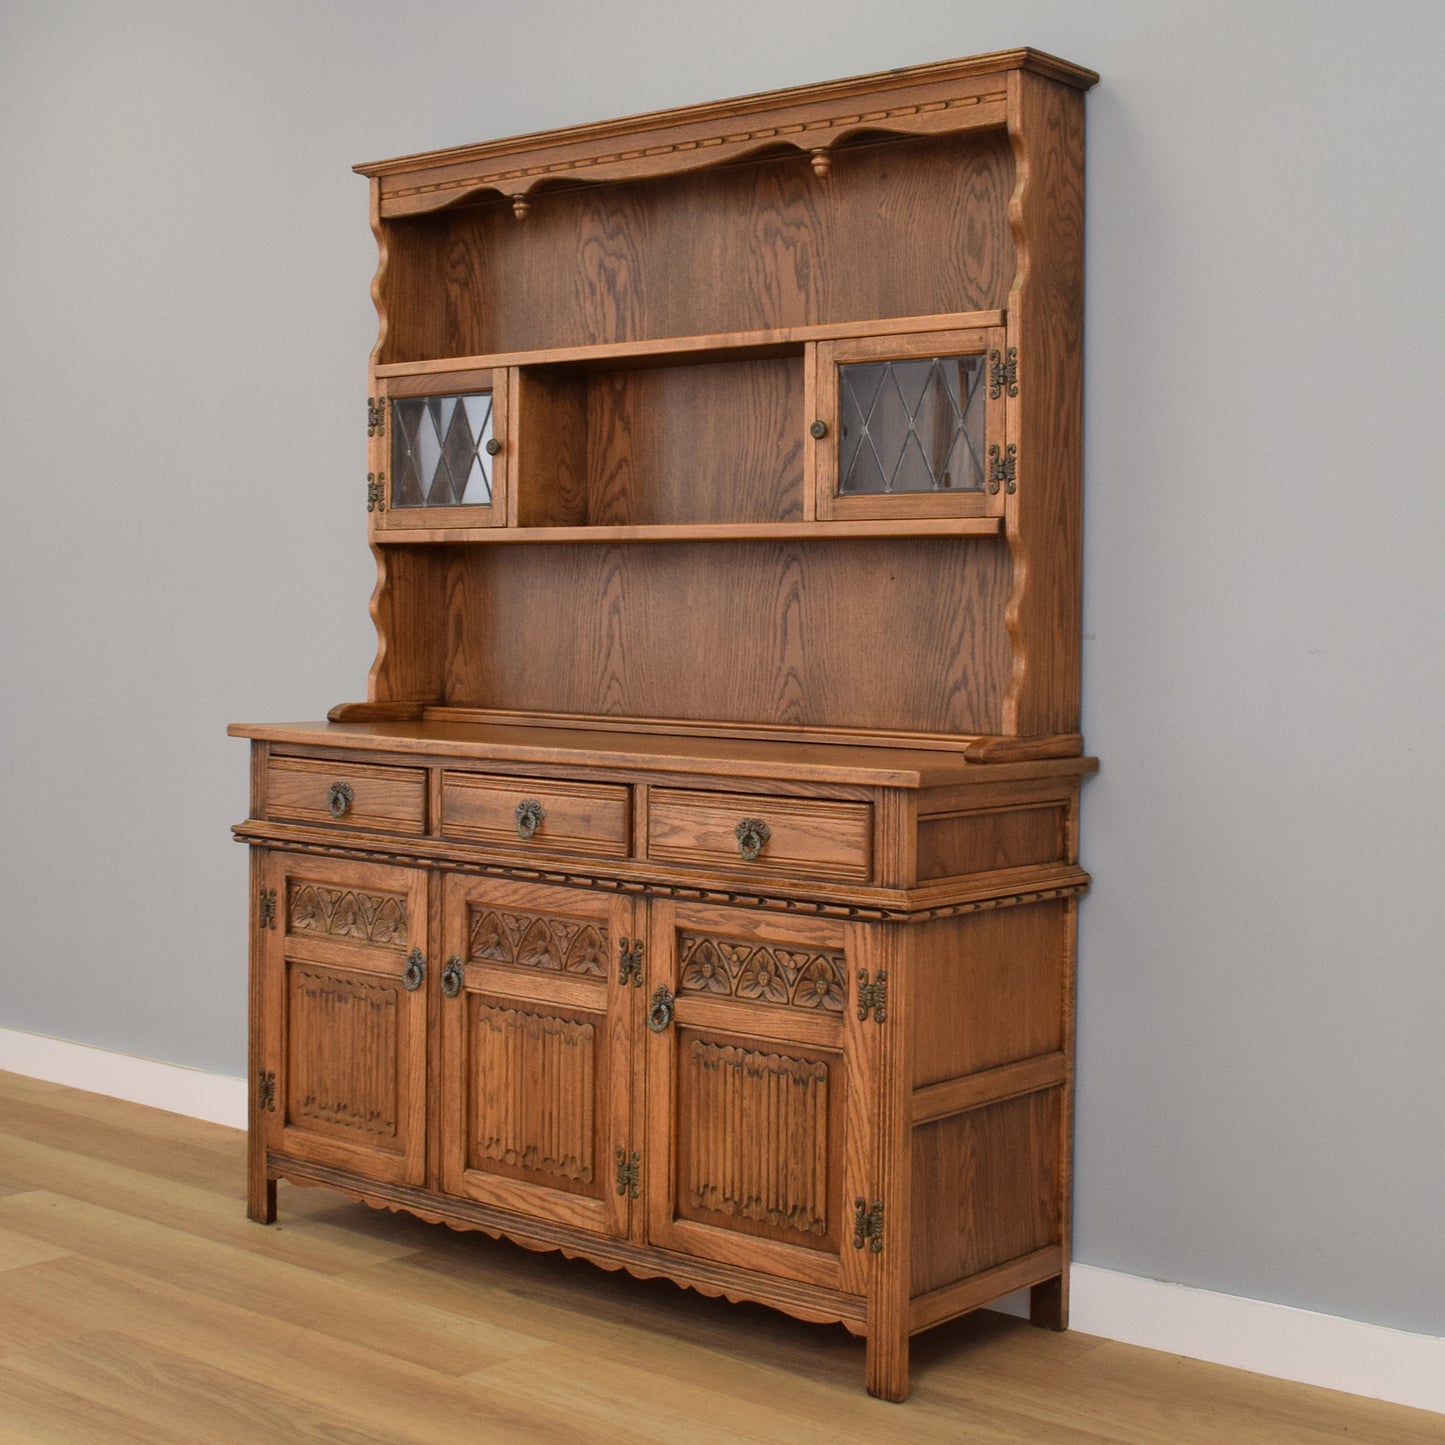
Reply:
x=344, y=1063
x=756, y=1117
x=536, y=1034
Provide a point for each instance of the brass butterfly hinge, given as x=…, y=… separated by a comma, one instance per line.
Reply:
x=629, y=962
x=266, y=908
x=266, y=1090
x=376, y=416
x=376, y=491
x=1003, y=373
x=629, y=1173
x=868, y=1225
x=873, y=997
x=1003, y=468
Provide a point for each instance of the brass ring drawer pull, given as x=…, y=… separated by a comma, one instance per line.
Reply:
x=339, y=799
x=753, y=835
x=453, y=976
x=530, y=816
x=415, y=974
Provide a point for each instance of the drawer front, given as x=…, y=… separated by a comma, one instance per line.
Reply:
x=810, y=836
x=541, y=814
x=355, y=795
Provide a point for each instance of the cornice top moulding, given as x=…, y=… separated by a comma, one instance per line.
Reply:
x=947, y=95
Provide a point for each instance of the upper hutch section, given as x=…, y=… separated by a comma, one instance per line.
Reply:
x=742, y=238
x=820, y=349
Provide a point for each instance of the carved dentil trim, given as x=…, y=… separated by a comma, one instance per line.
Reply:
x=763, y=973
x=863, y=913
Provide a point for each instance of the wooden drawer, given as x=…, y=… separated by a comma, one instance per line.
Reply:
x=813, y=837
x=356, y=795
x=592, y=818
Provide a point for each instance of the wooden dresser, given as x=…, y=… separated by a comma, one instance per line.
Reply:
x=695, y=893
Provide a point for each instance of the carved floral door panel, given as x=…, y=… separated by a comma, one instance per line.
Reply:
x=536, y=1036
x=754, y=1111
x=344, y=1082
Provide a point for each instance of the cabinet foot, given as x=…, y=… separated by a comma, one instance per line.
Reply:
x=1049, y=1304
x=261, y=1201
x=887, y=1365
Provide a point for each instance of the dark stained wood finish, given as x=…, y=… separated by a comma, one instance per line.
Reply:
x=836, y=1077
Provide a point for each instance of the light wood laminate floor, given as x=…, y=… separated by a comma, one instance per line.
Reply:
x=137, y=1303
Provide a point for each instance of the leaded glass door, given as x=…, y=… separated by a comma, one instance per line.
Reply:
x=440, y=452
x=914, y=426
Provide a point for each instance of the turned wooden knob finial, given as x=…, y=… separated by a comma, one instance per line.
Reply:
x=822, y=162
x=521, y=207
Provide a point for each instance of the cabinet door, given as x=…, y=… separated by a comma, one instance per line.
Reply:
x=344, y=1032
x=537, y=1029
x=440, y=452
x=754, y=1113
x=915, y=425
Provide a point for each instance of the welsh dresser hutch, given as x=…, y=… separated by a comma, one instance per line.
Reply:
x=695, y=892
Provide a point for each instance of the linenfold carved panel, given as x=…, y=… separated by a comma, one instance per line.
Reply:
x=534, y=1089
x=805, y=978
x=757, y=1136
x=347, y=913
x=342, y=1041
x=549, y=941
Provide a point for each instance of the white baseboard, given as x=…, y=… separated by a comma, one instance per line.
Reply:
x=1268, y=1339
x=180, y=1090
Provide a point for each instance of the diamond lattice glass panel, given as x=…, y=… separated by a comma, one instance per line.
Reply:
x=439, y=451
x=911, y=426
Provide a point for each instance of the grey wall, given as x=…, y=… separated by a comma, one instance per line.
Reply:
x=184, y=323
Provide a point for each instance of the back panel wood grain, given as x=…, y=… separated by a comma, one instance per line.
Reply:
x=734, y=249
x=719, y=442
x=808, y=633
